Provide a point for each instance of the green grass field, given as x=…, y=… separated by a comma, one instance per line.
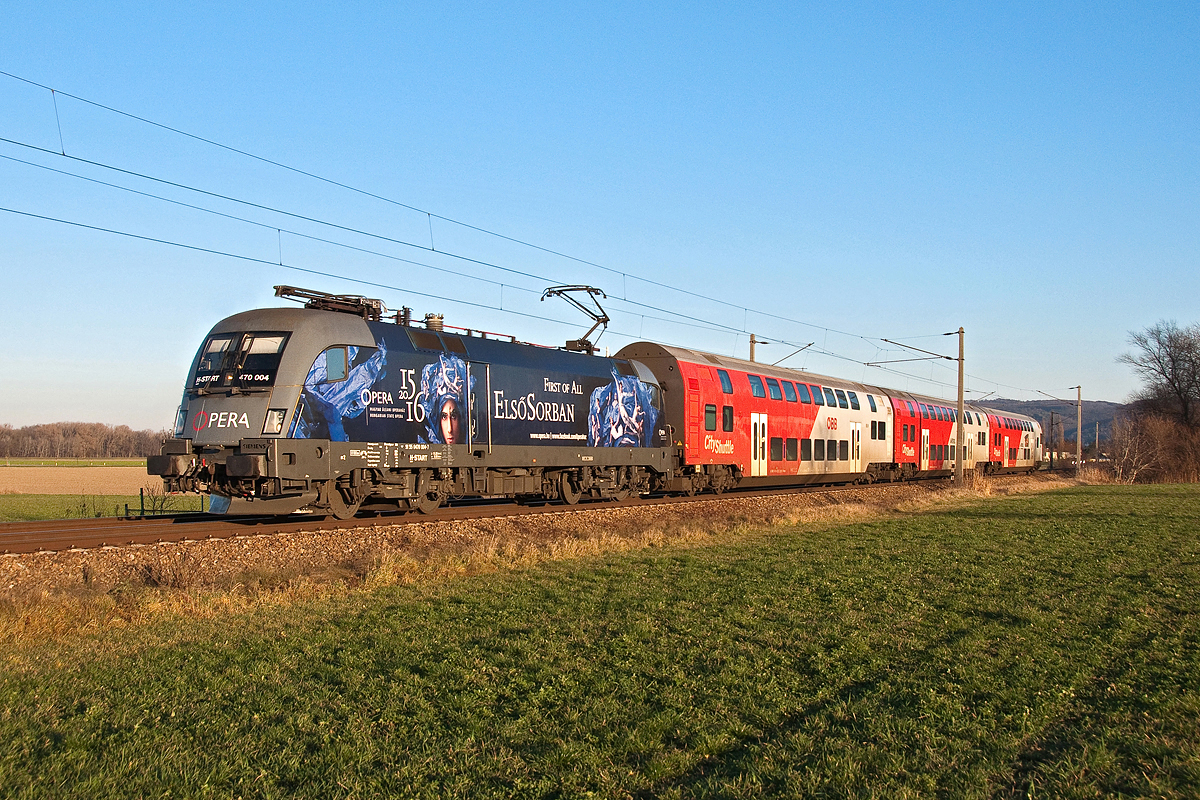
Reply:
x=73, y=462
x=1036, y=646
x=28, y=507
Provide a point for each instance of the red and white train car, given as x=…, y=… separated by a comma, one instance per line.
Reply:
x=743, y=422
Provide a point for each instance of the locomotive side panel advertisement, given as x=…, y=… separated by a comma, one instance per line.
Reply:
x=397, y=393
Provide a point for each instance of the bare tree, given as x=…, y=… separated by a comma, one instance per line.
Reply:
x=1134, y=448
x=1167, y=358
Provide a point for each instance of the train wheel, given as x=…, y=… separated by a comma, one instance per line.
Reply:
x=427, y=500
x=337, y=503
x=426, y=503
x=568, y=491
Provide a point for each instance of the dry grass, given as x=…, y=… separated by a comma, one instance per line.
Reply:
x=67, y=595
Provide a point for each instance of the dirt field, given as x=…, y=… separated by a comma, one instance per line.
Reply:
x=76, y=480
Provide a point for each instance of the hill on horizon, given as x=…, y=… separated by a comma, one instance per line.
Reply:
x=1094, y=411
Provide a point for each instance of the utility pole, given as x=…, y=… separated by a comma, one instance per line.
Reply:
x=1097, y=444
x=1078, y=428
x=1051, y=441
x=958, y=459
x=755, y=340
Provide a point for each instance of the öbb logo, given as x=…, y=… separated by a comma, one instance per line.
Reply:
x=222, y=419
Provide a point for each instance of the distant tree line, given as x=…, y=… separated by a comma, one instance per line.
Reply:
x=78, y=440
x=1158, y=438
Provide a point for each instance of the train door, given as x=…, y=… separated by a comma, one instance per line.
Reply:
x=1006, y=454
x=924, y=449
x=855, y=446
x=479, y=424
x=758, y=444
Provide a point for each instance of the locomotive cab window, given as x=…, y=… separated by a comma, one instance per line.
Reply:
x=240, y=360
x=710, y=418
x=335, y=365
x=756, y=386
x=726, y=384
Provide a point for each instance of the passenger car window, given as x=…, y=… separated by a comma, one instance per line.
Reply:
x=726, y=384
x=726, y=418
x=776, y=448
x=882, y=429
x=830, y=400
x=854, y=400
x=789, y=391
x=756, y=386
x=773, y=388
x=803, y=389
x=710, y=417
x=790, y=453
x=806, y=450
x=871, y=400
x=817, y=398
x=818, y=449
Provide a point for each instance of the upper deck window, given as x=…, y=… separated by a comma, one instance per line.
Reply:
x=830, y=399
x=841, y=399
x=854, y=401
x=789, y=391
x=756, y=386
x=804, y=396
x=871, y=400
x=773, y=388
x=726, y=384
x=818, y=398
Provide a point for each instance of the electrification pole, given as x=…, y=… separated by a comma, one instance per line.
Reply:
x=755, y=340
x=1078, y=428
x=958, y=461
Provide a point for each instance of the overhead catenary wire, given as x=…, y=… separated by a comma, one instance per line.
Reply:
x=524, y=243
x=391, y=287
x=690, y=320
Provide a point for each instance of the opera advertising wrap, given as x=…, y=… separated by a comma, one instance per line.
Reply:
x=497, y=393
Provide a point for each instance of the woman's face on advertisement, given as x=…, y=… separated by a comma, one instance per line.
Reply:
x=450, y=422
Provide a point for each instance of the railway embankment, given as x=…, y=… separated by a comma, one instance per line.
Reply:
x=60, y=591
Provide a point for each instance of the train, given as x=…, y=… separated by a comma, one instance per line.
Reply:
x=337, y=407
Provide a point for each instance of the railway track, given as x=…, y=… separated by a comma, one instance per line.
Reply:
x=83, y=534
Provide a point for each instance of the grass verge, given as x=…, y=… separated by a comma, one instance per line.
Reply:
x=30, y=507
x=1026, y=646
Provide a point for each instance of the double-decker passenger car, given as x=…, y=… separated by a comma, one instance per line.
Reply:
x=332, y=409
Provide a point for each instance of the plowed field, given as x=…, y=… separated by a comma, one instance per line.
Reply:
x=76, y=480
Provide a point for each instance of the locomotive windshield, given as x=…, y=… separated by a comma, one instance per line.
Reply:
x=239, y=361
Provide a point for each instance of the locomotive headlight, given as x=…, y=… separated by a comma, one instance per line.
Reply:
x=274, y=421
x=180, y=421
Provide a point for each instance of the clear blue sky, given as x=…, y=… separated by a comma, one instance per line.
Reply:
x=1028, y=171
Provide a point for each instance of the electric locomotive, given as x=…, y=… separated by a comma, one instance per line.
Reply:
x=335, y=408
